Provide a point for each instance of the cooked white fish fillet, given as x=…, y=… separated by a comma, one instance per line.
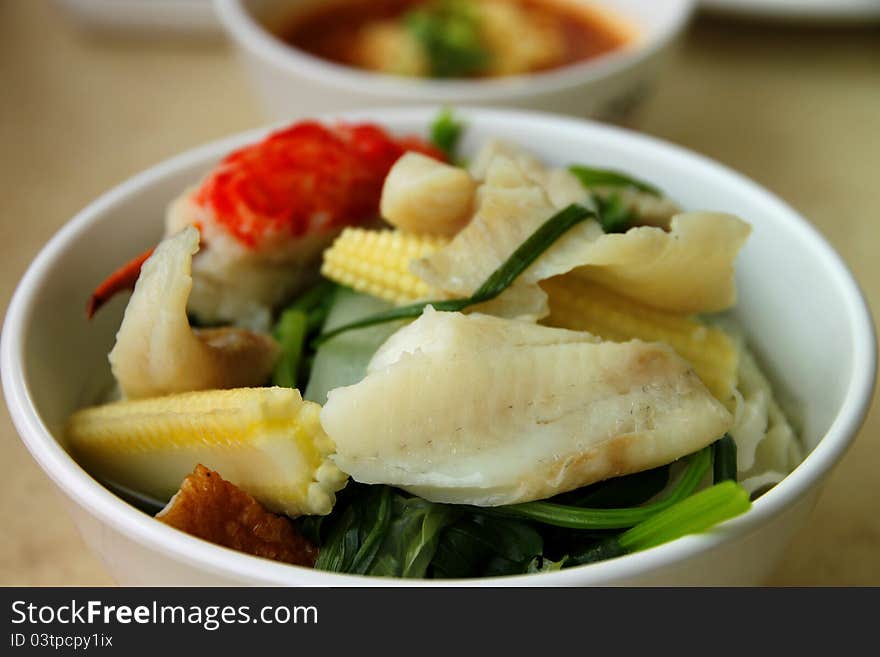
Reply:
x=158, y=353
x=455, y=334
x=560, y=185
x=688, y=269
x=494, y=411
x=423, y=195
x=564, y=188
x=767, y=446
x=511, y=206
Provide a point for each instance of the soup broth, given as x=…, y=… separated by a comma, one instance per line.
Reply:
x=453, y=38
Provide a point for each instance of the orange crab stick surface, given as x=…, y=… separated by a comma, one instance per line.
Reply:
x=304, y=179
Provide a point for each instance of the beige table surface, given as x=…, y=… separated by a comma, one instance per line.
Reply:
x=796, y=109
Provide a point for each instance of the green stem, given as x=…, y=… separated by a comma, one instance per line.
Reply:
x=520, y=260
x=580, y=518
x=290, y=331
x=724, y=459
x=695, y=514
x=591, y=177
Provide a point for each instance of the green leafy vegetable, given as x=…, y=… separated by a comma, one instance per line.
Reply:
x=302, y=318
x=529, y=251
x=343, y=361
x=614, y=216
x=724, y=459
x=480, y=545
x=449, y=33
x=629, y=490
x=290, y=332
x=446, y=132
x=591, y=177
x=580, y=518
x=358, y=533
x=412, y=537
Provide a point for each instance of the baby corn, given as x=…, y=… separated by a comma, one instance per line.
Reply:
x=376, y=262
x=581, y=305
x=267, y=441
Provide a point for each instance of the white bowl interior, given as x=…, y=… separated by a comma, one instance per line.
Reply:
x=800, y=309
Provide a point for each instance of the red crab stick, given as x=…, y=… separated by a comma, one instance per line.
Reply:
x=302, y=179
x=123, y=278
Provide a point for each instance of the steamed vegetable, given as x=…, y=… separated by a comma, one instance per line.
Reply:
x=381, y=531
x=449, y=33
x=446, y=133
x=343, y=360
x=592, y=177
x=376, y=262
x=267, y=441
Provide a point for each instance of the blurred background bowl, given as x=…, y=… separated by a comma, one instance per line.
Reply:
x=292, y=83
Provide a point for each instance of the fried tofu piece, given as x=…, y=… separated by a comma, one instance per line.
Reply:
x=209, y=507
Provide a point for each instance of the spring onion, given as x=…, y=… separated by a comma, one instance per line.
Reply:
x=591, y=177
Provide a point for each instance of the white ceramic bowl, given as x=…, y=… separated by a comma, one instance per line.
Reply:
x=802, y=311
x=292, y=83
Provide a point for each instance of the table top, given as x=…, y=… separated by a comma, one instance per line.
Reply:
x=797, y=109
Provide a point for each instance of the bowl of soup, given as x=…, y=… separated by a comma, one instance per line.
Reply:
x=597, y=59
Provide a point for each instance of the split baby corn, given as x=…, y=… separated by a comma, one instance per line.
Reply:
x=377, y=263
x=267, y=441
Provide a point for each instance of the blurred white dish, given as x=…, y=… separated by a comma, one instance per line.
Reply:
x=819, y=347
x=183, y=17
x=814, y=11
x=292, y=83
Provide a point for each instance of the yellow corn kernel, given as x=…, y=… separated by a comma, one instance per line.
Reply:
x=376, y=262
x=581, y=305
x=267, y=441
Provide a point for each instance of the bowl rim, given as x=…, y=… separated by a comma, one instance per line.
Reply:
x=256, y=39
x=235, y=566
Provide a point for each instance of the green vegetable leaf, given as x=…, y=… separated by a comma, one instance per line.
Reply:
x=343, y=361
x=614, y=216
x=446, y=132
x=449, y=33
x=591, y=177
x=480, y=545
x=412, y=537
x=629, y=490
x=290, y=332
x=357, y=534
x=294, y=325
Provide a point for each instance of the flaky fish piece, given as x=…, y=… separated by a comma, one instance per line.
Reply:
x=488, y=411
x=158, y=353
x=209, y=507
x=511, y=205
x=688, y=268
